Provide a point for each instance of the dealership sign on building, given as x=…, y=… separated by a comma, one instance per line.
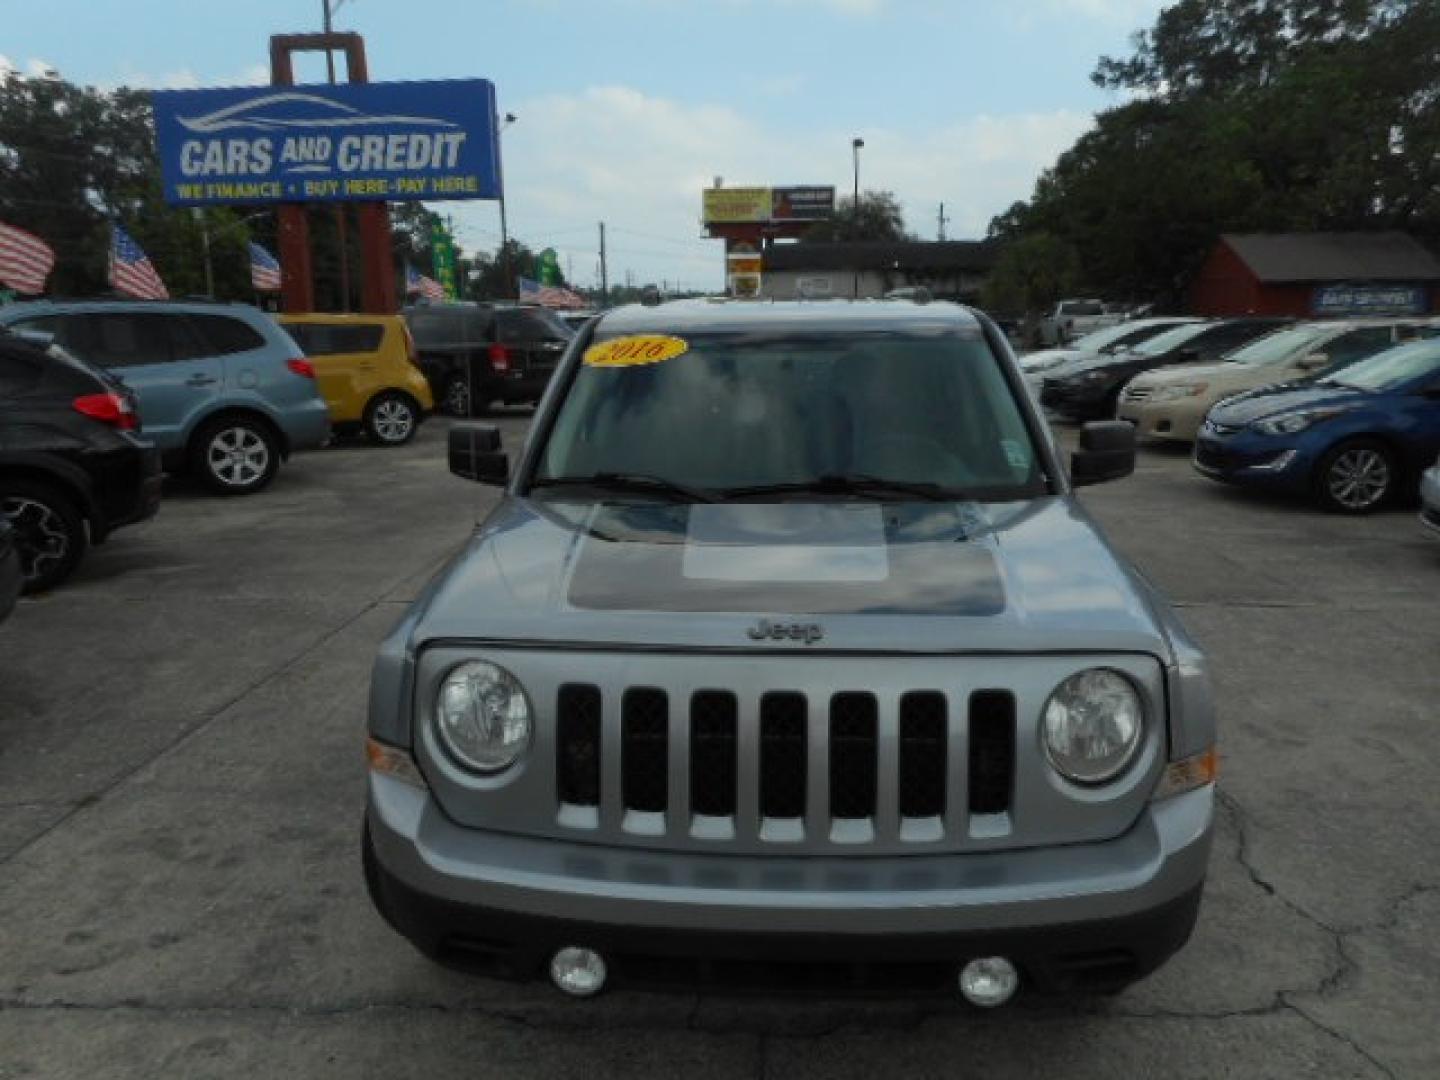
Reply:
x=1371, y=299
x=351, y=142
x=758, y=205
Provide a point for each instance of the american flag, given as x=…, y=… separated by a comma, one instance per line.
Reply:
x=551, y=296
x=130, y=269
x=416, y=282
x=264, y=270
x=25, y=260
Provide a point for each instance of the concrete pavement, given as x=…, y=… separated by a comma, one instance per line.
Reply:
x=181, y=781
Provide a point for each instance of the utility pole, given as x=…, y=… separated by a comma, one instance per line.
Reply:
x=506, y=270
x=604, y=276
x=942, y=222
x=855, y=146
x=341, y=227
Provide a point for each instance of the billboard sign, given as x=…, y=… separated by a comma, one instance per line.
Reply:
x=361, y=142
x=752, y=205
x=1373, y=299
x=736, y=205
x=802, y=204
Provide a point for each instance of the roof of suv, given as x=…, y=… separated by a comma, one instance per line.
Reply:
x=248, y=312
x=736, y=316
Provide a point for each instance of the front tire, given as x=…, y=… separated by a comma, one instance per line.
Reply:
x=391, y=419
x=1357, y=477
x=50, y=532
x=235, y=455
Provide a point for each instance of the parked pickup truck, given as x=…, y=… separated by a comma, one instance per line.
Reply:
x=1075, y=318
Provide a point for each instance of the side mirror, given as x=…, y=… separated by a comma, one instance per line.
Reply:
x=1107, y=452
x=475, y=453
x=1313, y=362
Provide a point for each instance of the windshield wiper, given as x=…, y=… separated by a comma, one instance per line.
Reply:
x=852, y=484
x=639, y=482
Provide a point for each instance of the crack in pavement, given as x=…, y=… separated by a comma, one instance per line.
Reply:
x=1346, y=966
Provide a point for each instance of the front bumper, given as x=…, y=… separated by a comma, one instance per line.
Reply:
x=1430, y=500
x=1254, y=461
x=1177, y=419
x=1082, y=401
x=1099, y=914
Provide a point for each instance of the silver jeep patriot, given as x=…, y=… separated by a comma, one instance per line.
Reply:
x=790, y=658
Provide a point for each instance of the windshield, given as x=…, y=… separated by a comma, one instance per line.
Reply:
x=1170, y=339
x=745, y=411
x=1392, y=367
x=1277, y=347
x=1110, y=335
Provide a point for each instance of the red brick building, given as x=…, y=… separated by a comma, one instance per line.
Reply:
x=1316, y=274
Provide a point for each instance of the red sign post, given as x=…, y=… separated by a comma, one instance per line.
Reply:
x=297, y=282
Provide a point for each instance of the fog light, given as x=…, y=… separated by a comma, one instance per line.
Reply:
x=578, y=972
x=989, y=981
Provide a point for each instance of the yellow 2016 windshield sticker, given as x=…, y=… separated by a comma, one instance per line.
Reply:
x=635, y=350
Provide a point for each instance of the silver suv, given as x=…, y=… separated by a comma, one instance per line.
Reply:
x=789, y=657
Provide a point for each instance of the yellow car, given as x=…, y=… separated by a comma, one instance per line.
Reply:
x=365, y=367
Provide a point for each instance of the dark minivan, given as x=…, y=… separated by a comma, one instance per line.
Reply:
x=477, y=354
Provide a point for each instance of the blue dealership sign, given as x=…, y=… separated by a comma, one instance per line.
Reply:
x=1371, y=299
x=363, y=142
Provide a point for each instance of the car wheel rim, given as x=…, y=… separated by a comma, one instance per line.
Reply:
x=238, y=457
x=1359, y=478
x=393, y=421
x=43, y=540
x=457, y=398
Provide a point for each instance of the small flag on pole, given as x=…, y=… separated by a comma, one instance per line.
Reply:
x=429, y=288
x=264, y=270
x=131, y=271
x=25, y=260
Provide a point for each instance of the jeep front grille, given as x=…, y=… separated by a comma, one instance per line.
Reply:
x=875, y=764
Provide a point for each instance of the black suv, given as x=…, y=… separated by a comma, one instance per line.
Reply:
x=476, y=354
x=71, y=467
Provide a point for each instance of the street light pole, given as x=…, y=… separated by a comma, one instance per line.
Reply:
x=855, y=145
x=509, y=283
x=199, y=214
x=341, y=225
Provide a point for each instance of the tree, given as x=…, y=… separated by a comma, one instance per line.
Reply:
x=1032, y=273
x=75, y=159
x=877, y=216
x=1246, y=115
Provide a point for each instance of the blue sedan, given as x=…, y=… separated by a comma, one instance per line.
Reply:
x=1352, y=440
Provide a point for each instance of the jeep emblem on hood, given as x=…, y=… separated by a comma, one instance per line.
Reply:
x=764, y=630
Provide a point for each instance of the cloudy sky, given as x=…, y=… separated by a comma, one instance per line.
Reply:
x=627, y=108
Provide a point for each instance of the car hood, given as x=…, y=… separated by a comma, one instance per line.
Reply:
x=1217, y=377
x=906, y=577
x=1283, y=398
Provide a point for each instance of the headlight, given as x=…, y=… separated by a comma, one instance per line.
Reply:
x=1092, y=726
x=483, y=716
x=1095, y=376
x=1179, y=390
x=1293, y=422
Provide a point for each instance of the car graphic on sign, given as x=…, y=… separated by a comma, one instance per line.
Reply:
x=287, y=110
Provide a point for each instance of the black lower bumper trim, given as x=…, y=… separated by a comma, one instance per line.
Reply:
x=1101, y=955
